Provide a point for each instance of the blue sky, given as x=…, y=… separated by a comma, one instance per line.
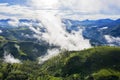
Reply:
x=66, y=8
x=14, y=2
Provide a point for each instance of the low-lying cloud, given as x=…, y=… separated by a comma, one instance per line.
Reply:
x=8, y=58
x=112, y=41
x=50, y=53
x=57, y=35
x=1, y=31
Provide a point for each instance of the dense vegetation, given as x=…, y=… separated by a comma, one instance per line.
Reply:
x=99, y=63
x=22, y=50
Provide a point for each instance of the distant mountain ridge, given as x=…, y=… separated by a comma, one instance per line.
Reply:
x=86, y=23
x=95, y=30
x=92, y=29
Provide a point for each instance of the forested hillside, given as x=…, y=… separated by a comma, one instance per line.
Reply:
x=98, y=63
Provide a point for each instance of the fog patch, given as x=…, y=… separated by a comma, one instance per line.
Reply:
x=103, y=28
x=57, y=35
x=13, y=22
x=8, y=58
x=50, y=53
x=112, y=41
x=1, y=31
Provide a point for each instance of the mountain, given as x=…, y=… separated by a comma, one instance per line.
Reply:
x=23, y=50
x=98, y=63
x=94, y=30
x=85, y=63
x=4, y=20
x=12, y=23
x=115, y=23
x=97, y=34
x=88, y=23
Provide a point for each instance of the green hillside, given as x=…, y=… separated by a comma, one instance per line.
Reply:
x=22, y=50
x=99, y=63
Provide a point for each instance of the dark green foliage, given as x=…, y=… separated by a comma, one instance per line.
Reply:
x=105, y=74
x=84, y=63
x=33, y=50
x=18, y=34
x=17, y=75
x=99, y=63
x=72, y=62
x=23, y=50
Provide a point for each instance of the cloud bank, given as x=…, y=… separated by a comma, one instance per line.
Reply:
x=112, y=41
x=75, y=9
x=1, y=31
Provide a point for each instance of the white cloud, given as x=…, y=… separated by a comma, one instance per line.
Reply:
x=14, y=22
x=57, y=35
x=16, y=11
x=1, y=31
x=92, y=6
x=89, y=16
x=44, y=4
x=24, y=24
x=79, y=9
x=10, y=59
x=3, y=4
x=103, y=28
x=112, y=40
x=82, y=5
x=87, y=6
x=50, y=53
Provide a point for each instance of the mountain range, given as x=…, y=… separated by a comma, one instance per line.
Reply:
x=26, y=55
x=95, y=30
x=99, y=32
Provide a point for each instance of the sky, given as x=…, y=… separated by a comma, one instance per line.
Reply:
x=75, y=9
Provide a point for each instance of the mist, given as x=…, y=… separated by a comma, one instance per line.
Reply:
x=56, y=34
x=112, y=41
x=50, y=53
x=8, y=58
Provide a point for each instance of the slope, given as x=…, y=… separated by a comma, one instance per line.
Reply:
x=98, y=63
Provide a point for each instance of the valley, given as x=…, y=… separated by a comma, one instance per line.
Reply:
x=21, y=53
